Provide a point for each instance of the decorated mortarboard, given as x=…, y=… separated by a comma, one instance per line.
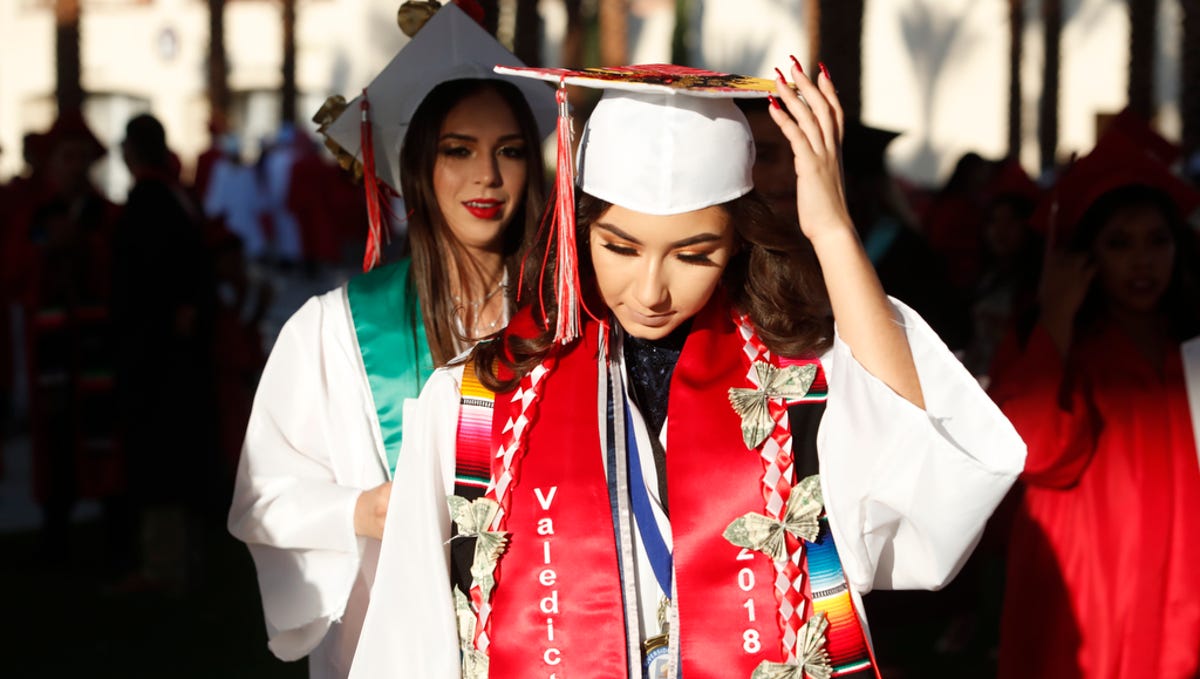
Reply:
x=662, y=140
x=367, y=133
x=1117, y=161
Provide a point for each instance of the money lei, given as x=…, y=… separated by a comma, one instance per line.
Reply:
x=474, y=663
x=768, y=535
x=813, y=662
x=472, y=519
x=791, y=382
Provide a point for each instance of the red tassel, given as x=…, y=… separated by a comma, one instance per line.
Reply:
x=371, y=184
x=566, y=285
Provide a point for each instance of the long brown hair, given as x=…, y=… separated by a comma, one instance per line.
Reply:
x=431, y=244
x=773, y=276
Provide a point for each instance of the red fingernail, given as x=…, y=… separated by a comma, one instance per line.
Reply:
x=774, y=102
x=825, y=71
x=796, y=63
x=779, y=73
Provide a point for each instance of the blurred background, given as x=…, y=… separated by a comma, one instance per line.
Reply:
x=967, y=84
x=1027, y=78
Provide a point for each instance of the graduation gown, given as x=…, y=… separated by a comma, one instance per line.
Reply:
x=1102, y=564
x=906, y=491
x=318, y=436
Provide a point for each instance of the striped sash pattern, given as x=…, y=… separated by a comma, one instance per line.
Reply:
x=472, y=468
x=831, y=595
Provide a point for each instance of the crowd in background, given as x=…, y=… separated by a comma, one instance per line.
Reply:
x=136, y=332
x=142, y=336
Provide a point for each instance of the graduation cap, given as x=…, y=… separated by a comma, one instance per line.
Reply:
x=1137, y=129
x=1011, y=182
x=662, y=140
x=1117, y=161
x=864, y=149
x=71, y=125
x=370, y=129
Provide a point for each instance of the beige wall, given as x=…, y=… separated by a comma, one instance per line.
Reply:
x=935, y=69
x=153, y=57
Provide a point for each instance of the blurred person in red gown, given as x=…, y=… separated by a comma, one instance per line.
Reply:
x=1102, y=578
x=58, y=268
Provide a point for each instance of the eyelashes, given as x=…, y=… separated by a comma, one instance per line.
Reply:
x=620, y=249
x=701, y=259
x=508, y=152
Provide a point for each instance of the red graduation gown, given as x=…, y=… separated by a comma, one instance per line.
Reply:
x=1104, y=560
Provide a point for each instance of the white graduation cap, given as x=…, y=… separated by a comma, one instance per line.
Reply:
x=451, y=46
x=663, y=140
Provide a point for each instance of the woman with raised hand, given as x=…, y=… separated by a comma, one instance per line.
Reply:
x=709, y=433
x=1105, y=389
x=330, y=413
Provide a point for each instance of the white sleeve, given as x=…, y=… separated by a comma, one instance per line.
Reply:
x=310, y=449
x=908, y=491
x=410, y=630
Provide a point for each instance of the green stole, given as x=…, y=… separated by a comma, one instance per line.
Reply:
x=391, y=338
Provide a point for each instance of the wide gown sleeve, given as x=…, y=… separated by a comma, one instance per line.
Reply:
x=410, y=629
x=310, y=449
x=907, y=490
x=1051, y=410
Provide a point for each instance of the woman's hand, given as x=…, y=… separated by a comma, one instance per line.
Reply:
x=814, y=126
x=370, y=511
x=865, y=318
x=1065, y=282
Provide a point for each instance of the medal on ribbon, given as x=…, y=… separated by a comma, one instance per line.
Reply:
x=473, y=519
x=813, y=660
x=768, y=535
x=792, y=382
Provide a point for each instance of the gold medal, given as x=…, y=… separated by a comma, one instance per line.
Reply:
x=656, y=653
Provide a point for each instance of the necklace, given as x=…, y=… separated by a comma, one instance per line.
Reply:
x=477, y=304
x=483, y=330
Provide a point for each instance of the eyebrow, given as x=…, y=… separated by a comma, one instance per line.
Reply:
x=467, y=137
x=686, y=242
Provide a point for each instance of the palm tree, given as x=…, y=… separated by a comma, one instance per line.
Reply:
x=841, y=29
x=528, y=39
x=812, y=21
x=614, y=31
x=68, y=90
x=287, y=96
x=1190, y=76
x=1048, y=106
x=1016, y=32
x=218, y=69
x=573, y=41
x=1143, y=20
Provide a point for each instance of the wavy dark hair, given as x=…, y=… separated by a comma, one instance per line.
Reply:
x=430, y=242
x=773, y=276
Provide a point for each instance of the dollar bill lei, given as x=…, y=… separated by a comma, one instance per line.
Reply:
x=473, y=518
x=812, y=661
x=768, y=535
x=792, y=382
x=474, y=662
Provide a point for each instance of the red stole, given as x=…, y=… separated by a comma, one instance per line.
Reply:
x=557, y=607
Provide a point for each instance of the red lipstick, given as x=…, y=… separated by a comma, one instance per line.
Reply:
x=484, y=208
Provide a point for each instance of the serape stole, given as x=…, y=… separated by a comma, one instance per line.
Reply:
x=472, y=466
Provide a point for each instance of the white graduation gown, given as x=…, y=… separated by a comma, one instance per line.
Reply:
x=312, y=445
x=907, y=492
